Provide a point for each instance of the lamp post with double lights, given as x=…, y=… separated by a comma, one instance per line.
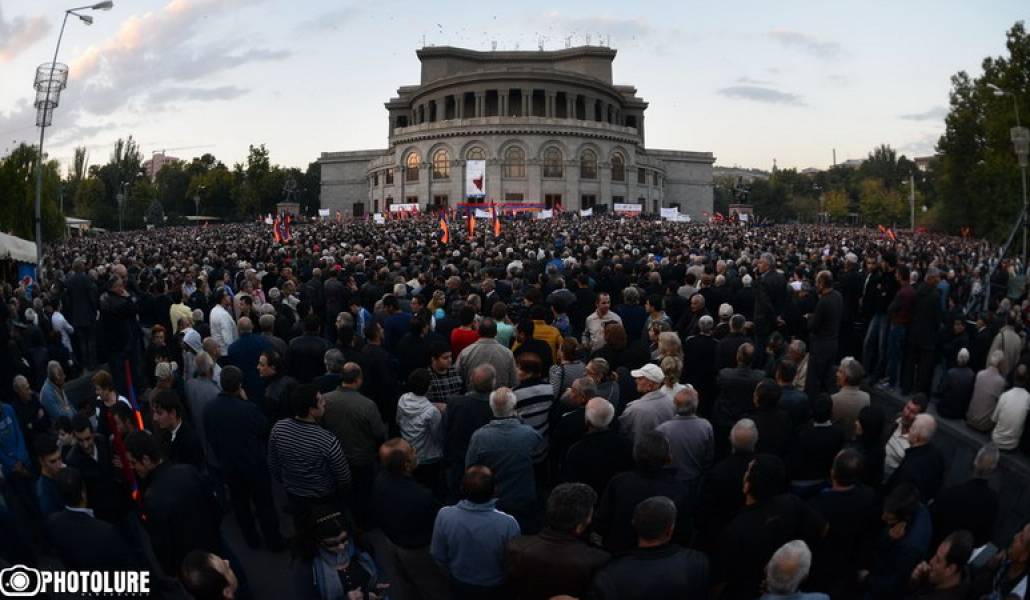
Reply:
x=51, y=78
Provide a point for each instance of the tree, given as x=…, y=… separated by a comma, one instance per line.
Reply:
x=837, y=205
x=18, y=195
x=977, y=177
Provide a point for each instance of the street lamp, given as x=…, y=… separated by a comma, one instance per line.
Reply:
x=1021, y=141
x=51, y=78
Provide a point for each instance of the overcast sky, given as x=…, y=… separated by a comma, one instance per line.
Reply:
x=748, y=81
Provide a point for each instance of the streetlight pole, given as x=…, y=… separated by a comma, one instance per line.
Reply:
x=51, y=78
x=1021, y=141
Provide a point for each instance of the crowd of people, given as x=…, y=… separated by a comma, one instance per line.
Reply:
x=580, y=407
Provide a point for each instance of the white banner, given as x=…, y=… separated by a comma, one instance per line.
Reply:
x=378, y=219
x=670, y=213
x=587, y=212
x=545, y=214
x=629, y=209
x=475, y=178
x=483, y=214
x=403, y=208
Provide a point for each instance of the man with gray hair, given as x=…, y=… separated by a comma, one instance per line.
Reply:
x=971, y=505
x=601, y=453
x=787, y=569
x=244, y=354
x=691, y=440
x=923, y=465
x=656, y=568
x=506, y=446
x=465, y=414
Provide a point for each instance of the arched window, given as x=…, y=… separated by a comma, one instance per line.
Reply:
x=588, y=165
x=514, y=162
x=441, y=165
x=552, y=163
x=411, y=165
x=475, y=153
x=618, y=167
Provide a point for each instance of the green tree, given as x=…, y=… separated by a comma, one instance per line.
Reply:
x=18, y=195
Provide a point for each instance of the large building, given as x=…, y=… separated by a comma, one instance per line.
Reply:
x=533, y=129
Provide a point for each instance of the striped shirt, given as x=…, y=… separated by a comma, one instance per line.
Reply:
x=307, y=459
x=533, y=403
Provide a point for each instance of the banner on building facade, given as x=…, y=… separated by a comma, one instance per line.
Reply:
x=475, y=178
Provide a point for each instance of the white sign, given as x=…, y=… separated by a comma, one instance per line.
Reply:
x=378, y=219
x=475, y=178
x=483, y=214
x=545, y=214
x=629, y=209
x=394, y=208
x=670, y=213
x=587, y=212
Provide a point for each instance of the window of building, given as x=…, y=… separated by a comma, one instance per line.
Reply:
x=552, y=200
x=375, y=179
x=588, y=165
x=552, y=163
x=587, y=201
x=641, y=176
x=475, y=154
x=389, y=176
x=358, y=210
x=514, y=197
x=411, y=166
x=618, y=167
x=514, y=162
x=441, y=165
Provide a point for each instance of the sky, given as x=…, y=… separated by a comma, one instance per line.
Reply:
x=751, y=82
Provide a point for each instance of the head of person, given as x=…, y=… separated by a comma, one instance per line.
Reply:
x=207, y=576
x=502, y=403
x=847, y=468
x=167, y=410
x=143, y=452
x=599, y=414
x=788, y=568
x=651, y=451
x=48, y=454
x=654, y=521
x=477, y=485
x=305, y=402
x=766, y=477
x=397, y=457
x=269, y=364
x=648, y=378
x=570, y=508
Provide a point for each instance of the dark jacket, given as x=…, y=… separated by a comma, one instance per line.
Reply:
x=661, y=573
x=626, y=490
x=182, y=514
x=404, y=509
x=924, y=468
x=236, y=429
x=596, y=458
x=244, y=353
x=85, y=543
x=307, y=357
x=552, y=563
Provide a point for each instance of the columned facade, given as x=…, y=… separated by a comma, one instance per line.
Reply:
x=551, y=126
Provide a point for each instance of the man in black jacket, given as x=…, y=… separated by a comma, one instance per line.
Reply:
x=656, y=568
x=236, y=430
x=181, y=513
x=84, y=542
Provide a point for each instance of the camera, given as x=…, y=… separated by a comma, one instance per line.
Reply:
x=19, y=581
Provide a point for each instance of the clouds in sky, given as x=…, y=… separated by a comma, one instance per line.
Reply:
x=19, y=33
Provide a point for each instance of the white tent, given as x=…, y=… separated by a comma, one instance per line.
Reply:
x=17, y=249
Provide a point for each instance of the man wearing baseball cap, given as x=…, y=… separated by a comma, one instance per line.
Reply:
x=652, y=408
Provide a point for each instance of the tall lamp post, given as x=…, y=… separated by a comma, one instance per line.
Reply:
x=51, y=78
x=1021, y=141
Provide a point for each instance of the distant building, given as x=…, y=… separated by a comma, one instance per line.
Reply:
x=536, y=130
x=157, y=162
